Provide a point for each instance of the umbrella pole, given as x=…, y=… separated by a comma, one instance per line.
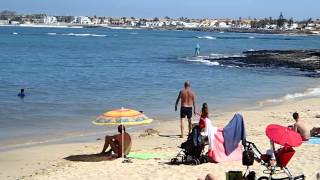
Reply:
x=122, y=142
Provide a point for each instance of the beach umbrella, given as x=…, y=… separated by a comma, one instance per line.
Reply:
x=122, y=117
x=282, y=135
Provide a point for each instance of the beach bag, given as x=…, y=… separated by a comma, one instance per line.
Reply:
x=234, y=175
x=247, y=157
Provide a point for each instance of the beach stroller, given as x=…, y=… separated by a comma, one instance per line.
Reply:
x=191, y=150
x=274, y=160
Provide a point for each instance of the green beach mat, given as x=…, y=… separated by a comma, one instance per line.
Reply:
x=146, y=156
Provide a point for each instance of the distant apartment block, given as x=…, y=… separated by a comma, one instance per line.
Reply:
x=49, y=20
x=81, y=20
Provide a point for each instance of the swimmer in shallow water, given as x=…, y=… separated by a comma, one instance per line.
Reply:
x=21, y=94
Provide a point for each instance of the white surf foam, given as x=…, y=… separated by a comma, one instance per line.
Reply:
x=312, y=58
x=311, y=92
x=200, y=59
x=80, y=35
x=218, y=56
x=252, y=37
x=206, y=37
x=15, y=33
x=98, y=35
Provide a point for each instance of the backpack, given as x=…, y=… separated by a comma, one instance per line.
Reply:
x=247, y=157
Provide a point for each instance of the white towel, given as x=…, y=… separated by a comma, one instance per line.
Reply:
x=210, y=131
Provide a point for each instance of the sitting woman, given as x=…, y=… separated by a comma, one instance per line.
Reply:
x=206, y=128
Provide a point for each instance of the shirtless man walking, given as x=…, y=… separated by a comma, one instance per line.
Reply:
x=188, y=99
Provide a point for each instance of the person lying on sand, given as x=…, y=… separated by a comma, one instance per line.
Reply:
x=304, y=128
x=115, y=143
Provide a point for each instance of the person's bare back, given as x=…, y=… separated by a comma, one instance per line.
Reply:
x=187, y=97
x=303, y=128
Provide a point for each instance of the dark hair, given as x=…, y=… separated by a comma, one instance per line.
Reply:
x=120, y=129
x=205, y=110
x=295, y=116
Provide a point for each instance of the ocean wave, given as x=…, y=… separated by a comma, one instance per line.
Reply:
x=230, y=66
x=252, y=37
x=15, y=33
x=312, y=58
x=203, y=61
x=311, y=92
x=219, y=56
x=80, y=35
x=206, y=37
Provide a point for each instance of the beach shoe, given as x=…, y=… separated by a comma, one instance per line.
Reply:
x=127, y=161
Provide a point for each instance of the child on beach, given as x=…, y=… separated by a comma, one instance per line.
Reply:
x=203, y=116
x=206, y=129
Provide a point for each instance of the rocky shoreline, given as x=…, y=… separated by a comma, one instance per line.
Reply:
x=252, y=30
x=304, y=60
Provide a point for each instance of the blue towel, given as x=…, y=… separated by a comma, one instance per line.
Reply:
x=313, y=140
x=233, y=133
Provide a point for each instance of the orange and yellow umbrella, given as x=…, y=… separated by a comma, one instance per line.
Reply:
x=122, y=116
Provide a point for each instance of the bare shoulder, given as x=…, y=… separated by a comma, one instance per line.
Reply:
x=192, y=93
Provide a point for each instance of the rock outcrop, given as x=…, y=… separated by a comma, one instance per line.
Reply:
x=305, y=60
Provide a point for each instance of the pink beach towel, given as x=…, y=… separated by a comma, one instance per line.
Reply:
x=217, y=151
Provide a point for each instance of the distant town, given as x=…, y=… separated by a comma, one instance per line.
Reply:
x=264, y=25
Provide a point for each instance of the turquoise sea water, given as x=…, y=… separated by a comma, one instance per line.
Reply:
x=73, y=75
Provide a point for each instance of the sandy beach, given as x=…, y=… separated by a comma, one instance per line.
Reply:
x=48, y=161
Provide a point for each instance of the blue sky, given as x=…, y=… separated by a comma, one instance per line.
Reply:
x=298, y=9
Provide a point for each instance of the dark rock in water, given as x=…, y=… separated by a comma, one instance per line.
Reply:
x=305, y=60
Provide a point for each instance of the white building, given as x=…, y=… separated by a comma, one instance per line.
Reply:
x=81, y=20
x=15, y=22
x=271, y=26
x=49, y=20
x=134, y=23
x=96, y=21
x=4, y=22
x=154, y=24
x=190, y=25
x=170, y=23
x=224, y=25
x=293, y=26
